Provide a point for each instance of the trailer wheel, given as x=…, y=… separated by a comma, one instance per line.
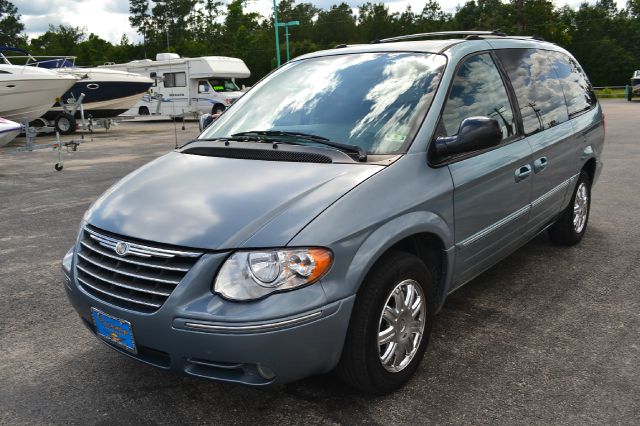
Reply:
x=143, y=110
x=65, y=124
x=217, y=109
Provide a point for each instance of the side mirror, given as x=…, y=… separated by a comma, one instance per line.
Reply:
x=205, y=121
x=474, y=134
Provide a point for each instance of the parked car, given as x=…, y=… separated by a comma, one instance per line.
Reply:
x=634, y=86
x=321, y=221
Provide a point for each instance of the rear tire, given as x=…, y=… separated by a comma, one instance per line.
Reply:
x=65, y=124
x=217, y=109
x=143, y=110
x=386, y=341
x=570, y=227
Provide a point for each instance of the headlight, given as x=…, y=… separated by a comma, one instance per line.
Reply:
x=248, y=275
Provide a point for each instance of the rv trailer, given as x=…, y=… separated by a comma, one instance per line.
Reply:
x=186, y=86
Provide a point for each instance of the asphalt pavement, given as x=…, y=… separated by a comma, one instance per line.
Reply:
x=551, y=335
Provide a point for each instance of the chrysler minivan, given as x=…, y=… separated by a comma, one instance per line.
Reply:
x=321, y=221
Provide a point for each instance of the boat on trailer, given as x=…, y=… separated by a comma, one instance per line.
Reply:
x=107, y=93
x=26, y=93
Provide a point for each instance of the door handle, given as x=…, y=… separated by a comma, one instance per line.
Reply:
x=523, y=172
x=540, y=164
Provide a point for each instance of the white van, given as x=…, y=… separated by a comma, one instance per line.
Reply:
x=187, y=86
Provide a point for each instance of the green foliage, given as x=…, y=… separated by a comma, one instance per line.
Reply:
x=605, y=39
x=10, y=25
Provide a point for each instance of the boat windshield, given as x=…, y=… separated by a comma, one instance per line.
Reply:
x=372, y=100
x=223, y=85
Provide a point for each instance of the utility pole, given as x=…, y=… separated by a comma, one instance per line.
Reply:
x=275, y=26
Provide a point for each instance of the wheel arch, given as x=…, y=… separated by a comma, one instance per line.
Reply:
x=423, y=234
x=590, y=168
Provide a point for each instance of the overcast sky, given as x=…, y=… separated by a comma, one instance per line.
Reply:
x=109, y=18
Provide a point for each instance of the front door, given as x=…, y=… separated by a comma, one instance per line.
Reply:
x=492, y=188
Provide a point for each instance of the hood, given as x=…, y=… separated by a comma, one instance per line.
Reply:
x=222, y=203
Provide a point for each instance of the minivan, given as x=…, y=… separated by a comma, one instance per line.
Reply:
x=321, y=221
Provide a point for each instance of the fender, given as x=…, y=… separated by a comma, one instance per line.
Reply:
x=375, y=244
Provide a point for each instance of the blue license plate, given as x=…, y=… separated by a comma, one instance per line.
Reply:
x=114, y=330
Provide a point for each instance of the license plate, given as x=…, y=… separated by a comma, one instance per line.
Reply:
x=114, y=330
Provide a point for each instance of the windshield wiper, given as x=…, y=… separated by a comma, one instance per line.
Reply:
x=355, y=149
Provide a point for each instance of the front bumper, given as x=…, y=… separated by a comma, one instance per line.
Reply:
x=279, y=339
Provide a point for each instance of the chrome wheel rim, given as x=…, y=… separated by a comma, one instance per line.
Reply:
x=580, y=208
x=401, y=325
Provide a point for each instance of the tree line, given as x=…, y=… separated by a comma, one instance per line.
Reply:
x=604, y=38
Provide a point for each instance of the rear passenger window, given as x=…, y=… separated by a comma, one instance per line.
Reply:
x=577, y=88
x=478, y=90
x=537, y=88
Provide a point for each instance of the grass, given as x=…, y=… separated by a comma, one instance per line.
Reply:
x=611, y=93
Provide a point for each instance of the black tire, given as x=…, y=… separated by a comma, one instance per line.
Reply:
x=143, y=110
x=563, y=231
x=65, y=124
x=360, y=365
x=217, y=109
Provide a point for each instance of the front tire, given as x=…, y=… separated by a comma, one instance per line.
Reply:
x=570, y=227
x=390, y=325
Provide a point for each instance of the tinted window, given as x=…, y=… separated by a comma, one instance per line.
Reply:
x=478, y=90
x=372, y=100
x=537, y=87
x=577, y=88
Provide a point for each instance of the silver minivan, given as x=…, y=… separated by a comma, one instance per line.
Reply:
x=320, y=222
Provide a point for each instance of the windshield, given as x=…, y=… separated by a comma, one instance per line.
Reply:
x=371, y=100
x=223, y=85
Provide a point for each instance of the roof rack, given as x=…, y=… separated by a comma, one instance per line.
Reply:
x=496, y=33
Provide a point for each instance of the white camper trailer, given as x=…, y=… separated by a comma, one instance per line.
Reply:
x=187, y=86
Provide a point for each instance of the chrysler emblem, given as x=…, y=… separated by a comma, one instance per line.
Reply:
x=122, y=248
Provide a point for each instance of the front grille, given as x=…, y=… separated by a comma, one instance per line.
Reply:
x=141, y=279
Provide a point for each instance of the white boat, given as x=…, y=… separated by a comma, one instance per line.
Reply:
x=108, y=93
x=26, y=93
x=8, y=131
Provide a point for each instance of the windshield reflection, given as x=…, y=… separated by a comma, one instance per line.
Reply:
x=371, y=100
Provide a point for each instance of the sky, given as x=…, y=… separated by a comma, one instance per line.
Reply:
x=109, y=18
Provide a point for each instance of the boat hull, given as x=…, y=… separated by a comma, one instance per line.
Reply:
x=100, y=109
x=107, y=93
x=26, y=99
x=8, y=131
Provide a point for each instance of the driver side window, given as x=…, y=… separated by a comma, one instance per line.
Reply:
x=478, y=90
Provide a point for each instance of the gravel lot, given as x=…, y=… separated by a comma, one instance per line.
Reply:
x=549, y=335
